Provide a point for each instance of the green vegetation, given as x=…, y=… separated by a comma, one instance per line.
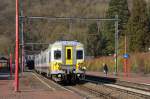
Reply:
x=96, y=43
x=49, y=31
x=120, y=8
x=138, y=27
x=138, y=63
x=98, y=37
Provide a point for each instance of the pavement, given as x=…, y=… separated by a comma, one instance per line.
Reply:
x=31, y=87
x=132, y=77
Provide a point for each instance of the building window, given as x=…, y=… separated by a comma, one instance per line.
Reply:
x=79, y=54
x=57, y=54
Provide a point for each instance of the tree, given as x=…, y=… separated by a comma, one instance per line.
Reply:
x=96, y=43
x=120, y=8
x=137, y=27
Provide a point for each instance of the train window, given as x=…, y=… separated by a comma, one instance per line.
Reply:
x=68, y=53
x=57, y=54
x=79, y=54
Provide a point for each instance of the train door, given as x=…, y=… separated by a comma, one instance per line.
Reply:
x=69, y=55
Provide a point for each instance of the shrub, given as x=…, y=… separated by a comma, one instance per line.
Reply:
x=137, y=63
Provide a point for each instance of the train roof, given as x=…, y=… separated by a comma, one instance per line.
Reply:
x=61, y=43
x=66, y=43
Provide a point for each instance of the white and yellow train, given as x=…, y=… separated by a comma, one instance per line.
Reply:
x=62, y=61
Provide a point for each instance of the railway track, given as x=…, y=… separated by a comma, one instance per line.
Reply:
x=90, y=89
x=97, y=91
x=85, y=92
x=103, y=80
x=137, y=93
x=143, y=87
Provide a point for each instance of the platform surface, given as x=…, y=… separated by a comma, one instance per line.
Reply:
x=134, y=77
x=31, y=88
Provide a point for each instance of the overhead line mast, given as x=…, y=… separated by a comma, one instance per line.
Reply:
x=116, y=20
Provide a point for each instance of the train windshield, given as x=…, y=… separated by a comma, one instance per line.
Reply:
x=68, y=53
x=57, y=54
x=79, y=54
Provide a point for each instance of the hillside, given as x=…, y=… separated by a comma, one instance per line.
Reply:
x=43, y=30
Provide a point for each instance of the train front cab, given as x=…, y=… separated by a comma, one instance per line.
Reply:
x=66, y=63
x=74, y=59
x=62, y=64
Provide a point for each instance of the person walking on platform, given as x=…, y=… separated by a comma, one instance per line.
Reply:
x=105, y=67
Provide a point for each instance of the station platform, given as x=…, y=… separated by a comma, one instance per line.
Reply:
x=31, y=87
x=132, y=77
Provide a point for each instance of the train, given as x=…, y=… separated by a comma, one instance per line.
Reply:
x=29, y=61
x=62, y=61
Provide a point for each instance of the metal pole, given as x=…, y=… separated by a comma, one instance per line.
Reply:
x=17, y=48
x=125, y=44
x=10, y=64
x=22, y=40
x=116, y=45
x=125, y=60
x=22, y=59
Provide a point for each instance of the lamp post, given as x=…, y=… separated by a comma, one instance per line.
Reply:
x=17, y=48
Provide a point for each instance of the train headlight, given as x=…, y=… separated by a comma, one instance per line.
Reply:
x=78, y=75
x=59, y=75
x=83, y=68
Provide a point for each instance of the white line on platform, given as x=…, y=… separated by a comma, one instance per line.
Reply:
x=55, y=84
x=43, y=82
